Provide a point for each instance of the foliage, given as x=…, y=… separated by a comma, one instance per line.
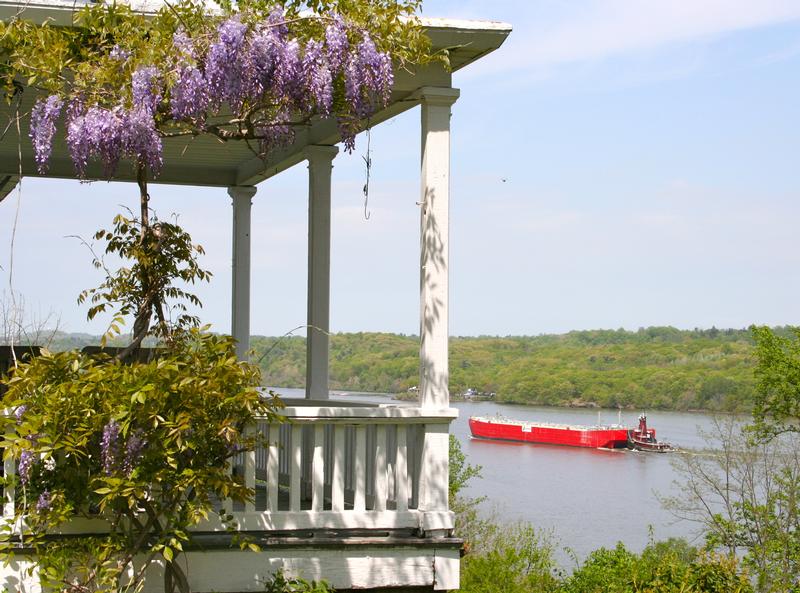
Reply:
x=744, y=495
x=777, y=400
x=281, y=584
x=664, y=567
x=251, y=70
x=143, y=448
x=650, y=368
x=161, y=255
x=460, y=472
x=510, y=558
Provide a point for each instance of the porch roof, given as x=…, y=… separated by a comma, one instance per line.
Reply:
x=207, y=161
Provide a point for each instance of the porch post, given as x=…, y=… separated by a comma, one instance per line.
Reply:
x=320, y=164
x=434, y=245
x=240, y=302
x=434, y=294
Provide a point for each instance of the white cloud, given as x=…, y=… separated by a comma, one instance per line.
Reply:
x=544, y=38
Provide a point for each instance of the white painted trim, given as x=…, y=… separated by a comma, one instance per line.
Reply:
x=435, y=245
x=337, y=473
x=273, y=468
x=250, y=469
x=228, y=571
x=292, y=520
x=331, y=415
x=433, y=482
x=318, y=469
x=360, y=494
x=320, y=166
x=242, y=199
x=401, y=468
x=297, y=468
x=381, y=481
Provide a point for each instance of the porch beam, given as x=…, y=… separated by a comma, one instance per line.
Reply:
x=320, y=166
x=434, y=245
x=242, y=197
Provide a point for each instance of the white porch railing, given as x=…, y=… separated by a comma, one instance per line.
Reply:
x=339, y=466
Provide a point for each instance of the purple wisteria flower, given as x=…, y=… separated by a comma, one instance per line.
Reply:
x=368, y=71
x=145, y=89
x=336, y=44
x=318, y=77
x=265, y=46
x=262, y=67
x=20, y=412
x=109, y=447
x=225, y=65
x=287, y=85
x=108, y=134
x=183, y=43
x=44, y=502
x=44, y=114
x=278, y=134
x=378, y=74
x=119, y=54
x=133, y=452
x=277, y=22
x=26, y=461
x=189, y=98
x=97, y=133
x=140, y=139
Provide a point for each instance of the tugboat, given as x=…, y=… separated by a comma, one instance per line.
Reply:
x=644, y=439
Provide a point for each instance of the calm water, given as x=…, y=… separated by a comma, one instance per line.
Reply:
x=588, y=498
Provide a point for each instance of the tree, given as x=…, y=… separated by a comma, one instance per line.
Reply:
x=743, y=493
x=777, y=401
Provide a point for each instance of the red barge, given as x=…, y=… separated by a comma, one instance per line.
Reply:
x=613, y=436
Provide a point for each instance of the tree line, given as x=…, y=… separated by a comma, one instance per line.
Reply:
x=654, y=367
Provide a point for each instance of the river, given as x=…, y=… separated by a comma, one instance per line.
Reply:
x=586, y=498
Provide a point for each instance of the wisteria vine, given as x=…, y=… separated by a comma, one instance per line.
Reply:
x=258, y=79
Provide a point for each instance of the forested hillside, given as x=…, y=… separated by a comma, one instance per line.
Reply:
x=658, y=367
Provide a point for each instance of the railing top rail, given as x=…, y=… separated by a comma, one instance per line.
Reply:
x=383, y=413
x=326, y=403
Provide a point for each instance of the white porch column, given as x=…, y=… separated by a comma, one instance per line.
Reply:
x=240, y=302
x=434, y=245
x=320, y=164
x=434, y=295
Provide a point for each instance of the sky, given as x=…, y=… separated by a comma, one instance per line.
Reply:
x=617, y=163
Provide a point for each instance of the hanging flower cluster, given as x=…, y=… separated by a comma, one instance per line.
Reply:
x=258, y=80
x=117, y=454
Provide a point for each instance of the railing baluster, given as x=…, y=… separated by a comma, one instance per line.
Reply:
x=272, y=467
x=337, y=481
x=297, y=467
x=401, y=467
x=380, y=468
x=359, y=496
x=249, y=467
x=9, y=471
x=318, y=469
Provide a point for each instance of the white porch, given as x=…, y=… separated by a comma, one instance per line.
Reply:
x=352, y=493
x=355, y=494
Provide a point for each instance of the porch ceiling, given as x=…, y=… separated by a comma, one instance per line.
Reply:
x=208, y=161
